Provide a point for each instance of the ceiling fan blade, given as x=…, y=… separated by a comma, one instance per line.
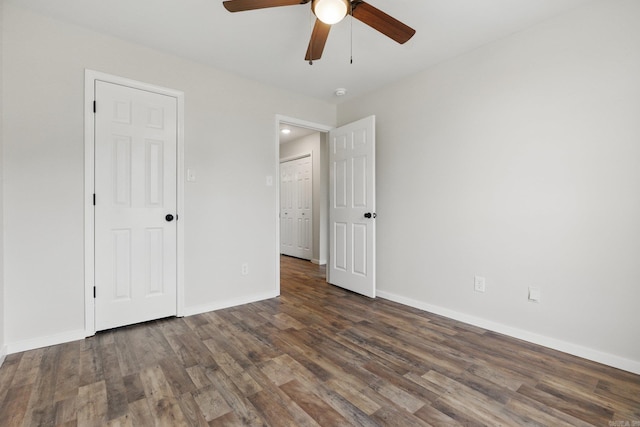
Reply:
x=318, y=39
x=242, y=5
x=378, y=20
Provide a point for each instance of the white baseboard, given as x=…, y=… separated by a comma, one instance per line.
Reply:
x=32, y=344
x=629, y=365
x=319, y=261
x=46, y=341
x=219, y=305
x=576, y=350
x=3, y=354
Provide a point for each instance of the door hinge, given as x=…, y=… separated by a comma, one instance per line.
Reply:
x=94, y=292
x=94, y=199
x=94, y=106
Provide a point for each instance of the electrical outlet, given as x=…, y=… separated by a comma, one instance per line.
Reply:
x=534, y=294
x=244, y=270
x=191, y=175
x=479, y=283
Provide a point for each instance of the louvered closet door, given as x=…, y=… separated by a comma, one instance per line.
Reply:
x=135, y=224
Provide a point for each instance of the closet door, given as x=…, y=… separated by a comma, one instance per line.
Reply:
x=296, y=209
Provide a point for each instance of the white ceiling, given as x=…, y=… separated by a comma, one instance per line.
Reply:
x=269, y=45
x=296, y=132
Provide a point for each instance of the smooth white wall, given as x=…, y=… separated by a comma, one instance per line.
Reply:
x=520, y=162
x=230, y=214
x=2, y=298
x=316, y=145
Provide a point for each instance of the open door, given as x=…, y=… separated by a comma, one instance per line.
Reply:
x=352, y=229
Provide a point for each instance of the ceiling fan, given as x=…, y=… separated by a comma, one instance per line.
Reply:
x=329, y=12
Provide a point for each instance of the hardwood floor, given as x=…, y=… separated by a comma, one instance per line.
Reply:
x=317, y=355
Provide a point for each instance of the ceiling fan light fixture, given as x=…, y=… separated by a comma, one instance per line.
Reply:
x=330, y=11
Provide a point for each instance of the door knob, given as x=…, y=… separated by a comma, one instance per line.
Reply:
x=370, y=215
x=169, y=217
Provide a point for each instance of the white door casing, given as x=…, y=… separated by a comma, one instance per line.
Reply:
x=133, y=254
x=296, y=209
x=352, y=260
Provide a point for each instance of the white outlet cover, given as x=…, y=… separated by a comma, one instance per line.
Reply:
x=534, y=294
x=479, y=283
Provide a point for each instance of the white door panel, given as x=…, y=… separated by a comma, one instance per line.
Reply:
x=287, y=215
x=352, y=198
x=135, y=185
x=296, y=214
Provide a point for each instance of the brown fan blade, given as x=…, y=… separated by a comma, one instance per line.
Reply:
x=242, y=5
x=378, y=20
x=318, y=40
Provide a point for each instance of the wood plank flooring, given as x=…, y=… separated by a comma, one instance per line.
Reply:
x=317, y=355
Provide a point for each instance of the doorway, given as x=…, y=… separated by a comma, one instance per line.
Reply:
x=349, y=208
x=306, y=140
x=352, y=210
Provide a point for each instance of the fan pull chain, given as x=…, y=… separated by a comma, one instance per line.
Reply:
x=311, y=15
x=351, y=36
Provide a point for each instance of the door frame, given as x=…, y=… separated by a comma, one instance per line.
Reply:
x=90, y=76
x=281, y=119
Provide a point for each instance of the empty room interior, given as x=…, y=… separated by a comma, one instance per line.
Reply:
x=245, y=212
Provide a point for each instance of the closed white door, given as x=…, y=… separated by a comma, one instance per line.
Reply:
x=352, y=207
x=296, y=214
x=135, y=205
x=287, y=211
